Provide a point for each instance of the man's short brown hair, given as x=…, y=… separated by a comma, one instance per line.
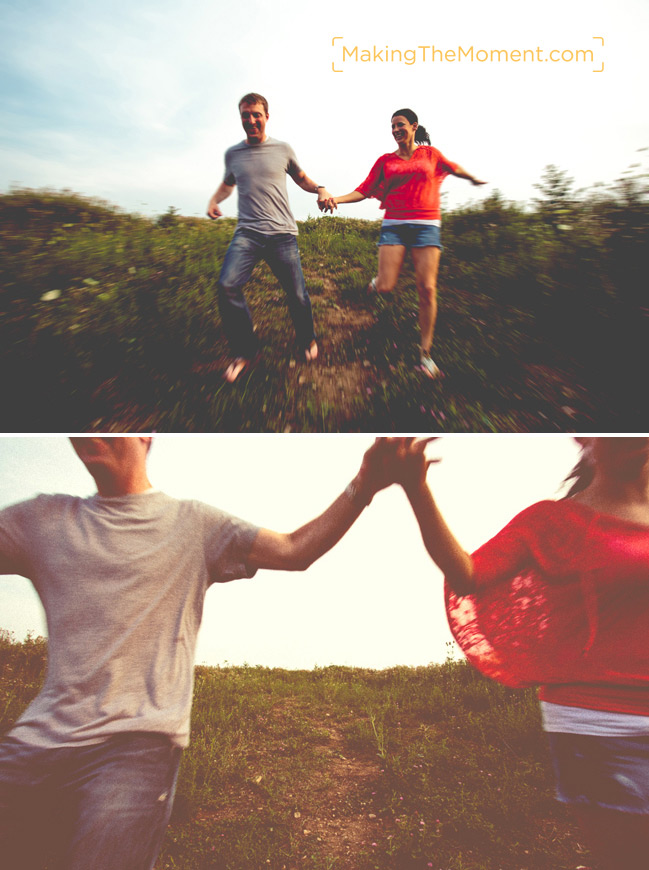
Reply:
x=251, y=99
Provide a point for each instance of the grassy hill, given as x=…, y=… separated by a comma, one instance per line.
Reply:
x=351, y=769
x=109, y=323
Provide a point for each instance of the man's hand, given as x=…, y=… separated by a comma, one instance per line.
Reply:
x=222, y=192
x=213, y=210
x=326, y=201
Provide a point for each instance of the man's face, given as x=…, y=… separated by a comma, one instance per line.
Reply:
x=111, y=457
x=253, y=120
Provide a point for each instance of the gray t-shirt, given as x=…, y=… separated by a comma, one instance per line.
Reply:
x=259, y=171
x=122, y=581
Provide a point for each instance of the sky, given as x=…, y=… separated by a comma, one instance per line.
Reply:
x=135, y=101
x=373, y=601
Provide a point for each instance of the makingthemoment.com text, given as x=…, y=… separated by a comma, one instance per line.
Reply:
x=430, y=53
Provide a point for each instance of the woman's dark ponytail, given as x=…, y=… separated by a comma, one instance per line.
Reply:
x=421, y=135
x=581, y=475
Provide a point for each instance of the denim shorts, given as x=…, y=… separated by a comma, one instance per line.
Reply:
x=411, y=235
x=607, y=772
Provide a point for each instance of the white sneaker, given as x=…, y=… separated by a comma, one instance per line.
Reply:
x=429, y=366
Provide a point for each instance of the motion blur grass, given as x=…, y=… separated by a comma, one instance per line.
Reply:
x=109, y=322
x=353, y=769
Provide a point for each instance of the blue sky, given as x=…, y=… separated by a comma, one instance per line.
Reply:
x=375, y=600
x=135, y=102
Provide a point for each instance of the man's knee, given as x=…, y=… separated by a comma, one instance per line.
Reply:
x=229, y=291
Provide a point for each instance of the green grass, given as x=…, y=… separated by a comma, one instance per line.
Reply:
x=352, y=769
x=110, y=323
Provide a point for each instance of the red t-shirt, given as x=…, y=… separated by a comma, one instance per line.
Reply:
x=562, y=601
x=409, y=189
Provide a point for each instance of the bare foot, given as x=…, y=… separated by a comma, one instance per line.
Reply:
x=236, y=367
x=311, y=353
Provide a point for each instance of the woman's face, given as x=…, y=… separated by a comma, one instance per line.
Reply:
x=622, y=458
x=402, y=129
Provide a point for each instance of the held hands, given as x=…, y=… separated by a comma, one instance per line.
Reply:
x=327, y=202
x=394, y=460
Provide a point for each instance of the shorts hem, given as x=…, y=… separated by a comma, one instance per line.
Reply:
x=584, y=803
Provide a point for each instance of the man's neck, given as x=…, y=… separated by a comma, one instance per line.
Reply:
x=109, y=487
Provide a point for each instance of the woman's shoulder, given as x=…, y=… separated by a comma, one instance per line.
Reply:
x=548, y=512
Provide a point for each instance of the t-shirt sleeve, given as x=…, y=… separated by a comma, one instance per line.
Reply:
x=229, y=176
x=292, y=165
x=373, y=184
x=227, y=541
x=15, y=522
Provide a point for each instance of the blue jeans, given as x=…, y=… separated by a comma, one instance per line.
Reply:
x=280, y=251
x=104, y=806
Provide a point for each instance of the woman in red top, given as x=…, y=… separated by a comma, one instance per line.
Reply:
x=407, y=183
x=560, y=598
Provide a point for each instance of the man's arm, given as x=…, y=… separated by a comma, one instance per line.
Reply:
x=222, y=192
x=302, y=180
x=297, y=550
x=459, y=172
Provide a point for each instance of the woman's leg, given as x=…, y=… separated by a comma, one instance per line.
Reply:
x=426, y=262
x=390, y=262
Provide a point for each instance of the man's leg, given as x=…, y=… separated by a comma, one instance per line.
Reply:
x=283, y=257
x=243, y=254
x=31, y=824
x=121, y=795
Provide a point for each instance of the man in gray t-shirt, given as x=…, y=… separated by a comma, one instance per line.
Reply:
x=266, y=230
x=122, y=576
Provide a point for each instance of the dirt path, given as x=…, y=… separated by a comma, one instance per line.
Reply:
x=328, y=804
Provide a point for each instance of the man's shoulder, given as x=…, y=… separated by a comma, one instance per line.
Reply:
x=46, y=504
x=239, y=146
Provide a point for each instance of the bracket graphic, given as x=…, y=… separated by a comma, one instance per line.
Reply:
x=602, y=69
x=333, y=41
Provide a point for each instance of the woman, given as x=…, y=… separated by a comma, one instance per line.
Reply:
x=560, y=598
x=407, y=183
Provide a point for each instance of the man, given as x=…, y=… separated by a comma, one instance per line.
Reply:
x=122, y=576
x=266, y=230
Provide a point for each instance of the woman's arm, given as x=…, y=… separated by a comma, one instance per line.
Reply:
x=410, y=469
x=459, y=172
x=333, y=201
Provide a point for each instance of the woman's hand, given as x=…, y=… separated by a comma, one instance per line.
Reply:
x=409, y=462
x=395, y=460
